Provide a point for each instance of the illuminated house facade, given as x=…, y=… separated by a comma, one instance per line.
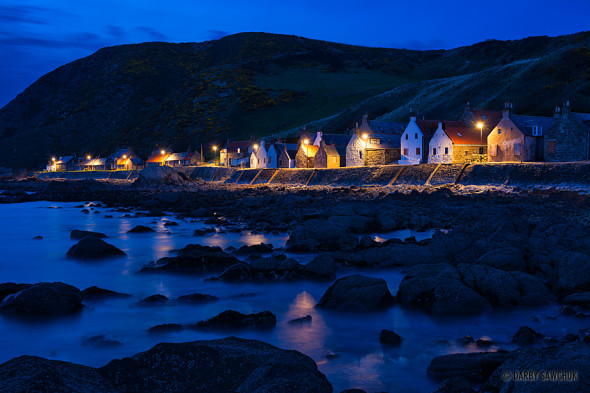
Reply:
x=374, y=143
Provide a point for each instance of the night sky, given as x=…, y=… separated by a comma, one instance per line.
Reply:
x=37, y=36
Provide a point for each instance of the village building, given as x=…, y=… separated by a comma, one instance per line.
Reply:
x=457, y=142
x=236, y=153
x=330, y=156
x=158, y=157
x=568, y=139
x=95, y=164
x=374, y=143
x=288, y=154
x=64, y=163
x=124, y=159
x=518, y=138
x=305, y=157
x=415, y=140
x=183, y=159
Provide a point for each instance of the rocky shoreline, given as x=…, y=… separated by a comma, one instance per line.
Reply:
x=492, y=249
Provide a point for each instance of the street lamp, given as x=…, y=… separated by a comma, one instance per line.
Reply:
x=366, y=138
x=255, y=156
x=480, y=125
x=214, y=154
x=306, y=142
x=162, y=152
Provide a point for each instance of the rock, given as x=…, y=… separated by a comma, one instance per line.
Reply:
x=8, y=288
x=467, y=340
x=356, y=293
x=455, y=385
x=484, y=342
x=321, y=234
x=474, y=367
x=367, y=241
x=570, y=357
x=170, y=224
x=203, y=232
x=567, y=311
x=96, y=293
x=165, y=328
x=226, y=365
x=199, y=212
x=197, y=298
x=573, y=271
x=93, y=248
x=507, y=258
x=153, y=300
x=390, y=338
x=38, y=238
x=526, y=336
x=77, y=234
x=140, y=229
x=273, y=268
x=155, y=175
x=323, y=265
x=261, y=248
x=301, y=320
x=578, y=299
x=100, y=341
x=235, y=320
x=35, y=374
x=353, y=391
x=44, y=299
x=195, y=258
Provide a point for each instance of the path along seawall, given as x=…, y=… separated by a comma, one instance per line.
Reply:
x=570, y=175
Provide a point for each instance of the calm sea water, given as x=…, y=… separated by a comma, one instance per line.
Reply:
x=346, y=347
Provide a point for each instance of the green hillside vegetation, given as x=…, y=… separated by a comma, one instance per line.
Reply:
x=182, y=95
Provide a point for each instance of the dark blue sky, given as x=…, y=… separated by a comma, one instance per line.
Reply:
x=37, y=36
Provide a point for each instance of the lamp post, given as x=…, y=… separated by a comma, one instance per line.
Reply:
x=162, y=152
x=480, y=125
x=255, y=155
x=214, y=154
x=306, y=142
x=366, y=138
x=54, y=167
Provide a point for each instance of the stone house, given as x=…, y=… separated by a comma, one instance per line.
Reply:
x=287, y=157
x=123, y=159
x=158, y=157
x=64, y=163
x=183, y=159
x=568, y=139
x=457, y=142
x=95, y=164
x=518, y=138
x=374, y=143
x=305, y=156
x=330, y=156
x=235, y=153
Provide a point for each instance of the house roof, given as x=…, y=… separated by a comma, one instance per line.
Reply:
x=525, y=123
x=136, y=160
x=335, y=150
x=94, y=162
x=157, y=157
x=310, y=150
x=386, y=141
x=583, y=118
x=336, y=139
x=462, y=134
x=64, y=159
x=179, y=156
x=490, y=119
x=232, y=147
x=428, y=127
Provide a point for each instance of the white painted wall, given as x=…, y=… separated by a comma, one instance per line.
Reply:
x=440, y=148
x=355, y=151
x=272, y=158
x=411, y=140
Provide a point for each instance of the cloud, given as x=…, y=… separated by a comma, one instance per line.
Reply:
x=18, y=14
x=116, y=31
x=153, y=35
x=216, y=34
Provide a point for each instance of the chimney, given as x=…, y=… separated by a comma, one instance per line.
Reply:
x=565, y=109
x=412, y=118
x=507, y=110
x=365, y=120
x=440, y=126
x=557, y=113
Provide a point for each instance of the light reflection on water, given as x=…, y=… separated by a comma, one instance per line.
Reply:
x=357, y=360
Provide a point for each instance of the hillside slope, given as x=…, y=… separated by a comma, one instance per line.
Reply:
x=182, y=95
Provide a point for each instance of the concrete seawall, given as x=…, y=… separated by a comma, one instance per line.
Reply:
x=514, y=174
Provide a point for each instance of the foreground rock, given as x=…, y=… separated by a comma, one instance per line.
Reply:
x=446, y=290
x=195, y=258
x=35, y=374
x=155, y=175
x=356, y=293
x=8, y=288
x=44, y=299
x=475, y=367
x=276, y=267
x=77, y=234
x=236, y=320
x=390, y=338
x=322, y=234
x=93, y=248
x=140, y=229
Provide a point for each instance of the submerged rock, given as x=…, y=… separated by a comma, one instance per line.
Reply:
x=301, y=320
x=77, y=234
x=236, y=320
x=93, y=248
x=276, y=267
x=44, y=299
x=153, y=300
x=526, y=336
x=356, y=293
x=140, y=229
x=195, y=258
x=96, y=293
x=165, y=328
x=8, y=288
x=197, y=298
x=226, y=365
x=390, y=338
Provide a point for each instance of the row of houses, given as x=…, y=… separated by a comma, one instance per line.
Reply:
x=123, y=159
x=477, y=136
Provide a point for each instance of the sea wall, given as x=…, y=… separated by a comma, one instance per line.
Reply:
x=575, y=174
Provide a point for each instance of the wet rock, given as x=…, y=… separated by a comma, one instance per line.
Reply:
x=170, y=224
x=96, y=293
x=38, y=238
x=155, y=175
x=77, y=234
x=567, y=311
x=356, y=293
x=581, y=299
x=35, y=374
x=226, y=365
x=324, y=265
x=390, y=338
x=474, y=367
x=301, y=320
x=231, y=320
x=507, y=258
x=153, y=300
x=455, y=385
x=44, y=299
x=573, y=271
x=467, y=340
x=526, y=336
x=8, y=288
x=261, y=248
x=197, y=298
x=203, y=232
x=140, y=229
x=195, y=258
x=100, y=341
x=484, y=342
x=165, y=328
x=93, y=248
x=321, y=234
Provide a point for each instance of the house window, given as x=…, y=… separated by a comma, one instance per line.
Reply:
x=481, y=150
x=405, y=152
x=238, y=150
x=406, y=136
x=416, y=136
x=537, y=130
x=517, y=149
x=446, y=150
x=334, y=159
x=551, y=147
x=361, y=154
x=434, y=151
x=374, y=141
x=417, y=151
x=499, y=131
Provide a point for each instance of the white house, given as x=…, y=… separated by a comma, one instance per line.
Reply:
x=412, y=144
x=440, y=148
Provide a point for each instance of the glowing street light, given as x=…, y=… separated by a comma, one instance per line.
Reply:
x=366, y=138
x=214, y=154
x=88, y=157
x=480, y=125
x=306, y=142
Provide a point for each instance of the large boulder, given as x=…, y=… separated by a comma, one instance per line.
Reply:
x=475, y=367
x=77, y=234
x=195, y=258
x=8, y=288
x=93, y=248
x=322, y=234
x=226, y=365
x=356, y=293
x=506, y=258
x=155, y=175
x=44, y=299
x=34, y=374
x=274, y=268
x=236, y=320
x=573, y=272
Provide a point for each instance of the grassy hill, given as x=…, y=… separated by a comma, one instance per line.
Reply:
x=182, y=95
